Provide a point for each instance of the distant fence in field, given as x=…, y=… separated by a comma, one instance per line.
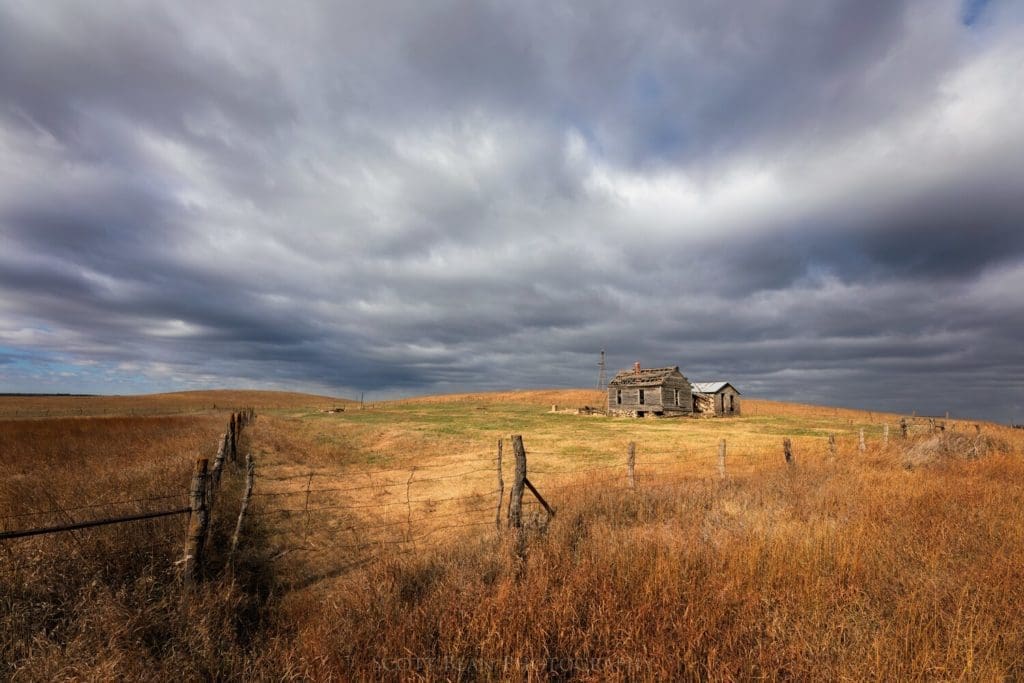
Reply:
x=386, y=511
x=203, y=488
x=380, y=513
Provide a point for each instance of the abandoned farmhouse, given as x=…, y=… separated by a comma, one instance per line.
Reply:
x=666, y=392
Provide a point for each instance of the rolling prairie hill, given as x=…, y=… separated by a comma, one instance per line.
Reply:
x=375, y=545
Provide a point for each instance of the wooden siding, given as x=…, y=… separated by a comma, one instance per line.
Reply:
x=723, y=404
x=668, y=390
x=659, y=398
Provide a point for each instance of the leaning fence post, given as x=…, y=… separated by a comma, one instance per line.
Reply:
x=721, y=458
x=787, y=450
x=631, y=464
x=501, y=489
x=533, y=489
x=515, y=510
x=250, y=480
x=198, y=524
x=862, y=446
x=832, y=445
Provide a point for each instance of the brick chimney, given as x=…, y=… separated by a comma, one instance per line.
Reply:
x=636, y=367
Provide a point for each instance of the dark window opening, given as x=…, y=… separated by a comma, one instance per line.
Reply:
x=618, y=397
x=641, y=397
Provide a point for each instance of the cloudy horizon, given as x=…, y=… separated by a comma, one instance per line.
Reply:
x=822, y=203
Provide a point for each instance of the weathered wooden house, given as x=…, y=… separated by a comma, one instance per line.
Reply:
x=653, y=391
x=715, y=398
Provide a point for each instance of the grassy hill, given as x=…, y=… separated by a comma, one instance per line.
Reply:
x=213, y=401
x=372, y=550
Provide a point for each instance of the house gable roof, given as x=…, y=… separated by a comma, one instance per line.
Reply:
x=646, y=377
x=711, y=387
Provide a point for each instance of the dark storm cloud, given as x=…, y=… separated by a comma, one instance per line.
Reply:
x=818, y=202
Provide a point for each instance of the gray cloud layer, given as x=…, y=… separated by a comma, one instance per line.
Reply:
x=821, y=203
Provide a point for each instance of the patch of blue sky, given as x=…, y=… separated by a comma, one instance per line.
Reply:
x=30, y=371
x=971, y=11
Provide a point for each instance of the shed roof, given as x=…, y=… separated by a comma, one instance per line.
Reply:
x=643, y=378
x=711, y=387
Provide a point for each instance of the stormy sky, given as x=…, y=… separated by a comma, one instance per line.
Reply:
x=822, y=202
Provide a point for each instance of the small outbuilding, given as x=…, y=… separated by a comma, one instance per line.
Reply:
x=654, y=391
x=715, y=398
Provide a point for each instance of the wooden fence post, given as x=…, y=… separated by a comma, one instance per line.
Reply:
x=229, y=438
x=198, y=524
x=213, y=481
x=903, y=427
x=250, y=480
x=234, y=438
x=787, y=450
x=501, y=488
x=832, y=445
x=863, y=445
x=721, y=458
x=631, y=464
x=515, y=510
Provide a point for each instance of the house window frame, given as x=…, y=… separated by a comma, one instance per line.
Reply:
x=640, y=397
x=618, y=397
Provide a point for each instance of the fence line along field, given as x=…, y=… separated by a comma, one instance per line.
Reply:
x=379, y=542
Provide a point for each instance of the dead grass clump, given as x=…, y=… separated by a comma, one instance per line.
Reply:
x=945, y=446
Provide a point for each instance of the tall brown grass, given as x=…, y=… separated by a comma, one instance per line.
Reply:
x=904, y=562
x=160, y=404
x=106, y=602
x=853, y=569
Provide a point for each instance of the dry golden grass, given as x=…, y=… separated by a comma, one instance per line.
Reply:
x=105, y=603
x=856, y=571
x=218, y=401
x=904, y=561
x=534, y=397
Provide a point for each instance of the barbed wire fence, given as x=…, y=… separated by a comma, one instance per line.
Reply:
x=385, y=512
x=197, y=503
